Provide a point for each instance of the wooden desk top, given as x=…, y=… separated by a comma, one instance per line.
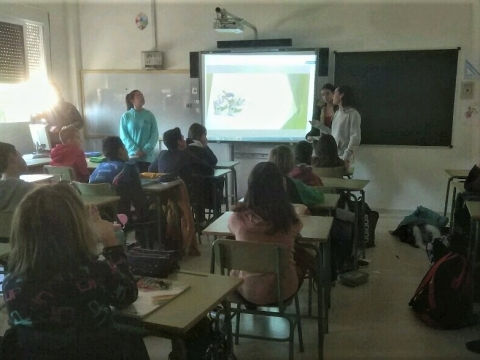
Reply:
x=344, y=184
x=92, y=165
x=98, y=200
x=315, y=228
x=459, y=174
x=474, y=209
x=183, y=312
x=37, y=162
x=36, y=178
x=330, y=203
x=226, y=164
x=159, y=187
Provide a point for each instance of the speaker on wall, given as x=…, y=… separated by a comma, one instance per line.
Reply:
x=322, y=61
x=194, y=64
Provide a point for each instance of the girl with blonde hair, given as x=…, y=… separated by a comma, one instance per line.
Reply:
x=58, y=295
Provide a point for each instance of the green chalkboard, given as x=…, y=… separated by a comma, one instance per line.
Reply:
x=404, y=97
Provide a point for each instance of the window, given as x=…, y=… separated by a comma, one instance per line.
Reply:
x=23, y=73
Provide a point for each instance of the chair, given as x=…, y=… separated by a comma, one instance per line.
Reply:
x=103, y=189
x=5, y=224
x=61, y=173
x=257, y=257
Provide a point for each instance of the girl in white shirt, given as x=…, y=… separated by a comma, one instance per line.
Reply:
x=346, y=124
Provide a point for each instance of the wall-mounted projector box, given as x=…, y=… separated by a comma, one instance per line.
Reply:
x=152, y=60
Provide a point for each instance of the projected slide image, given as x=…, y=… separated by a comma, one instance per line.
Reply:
x=263, y=101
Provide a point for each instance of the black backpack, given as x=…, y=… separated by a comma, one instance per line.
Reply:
x=442, y=299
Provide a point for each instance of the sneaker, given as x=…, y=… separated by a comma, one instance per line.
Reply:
x=363, y=263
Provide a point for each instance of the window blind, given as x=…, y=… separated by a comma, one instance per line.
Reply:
x=13, y=66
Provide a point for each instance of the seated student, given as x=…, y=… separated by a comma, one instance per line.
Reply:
x=326, y=153
x=302, y=170
x=12, y=188
x=122, y=173
x=297, y=191
x=58, y=295
x=185, y=164
x=266, y=215
x=197, y=143
x=70, y=153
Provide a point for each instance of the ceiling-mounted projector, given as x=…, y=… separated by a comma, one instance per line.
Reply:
x=232, y=27
x=228, y=23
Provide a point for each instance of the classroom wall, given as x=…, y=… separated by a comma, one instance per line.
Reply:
x=401, y=177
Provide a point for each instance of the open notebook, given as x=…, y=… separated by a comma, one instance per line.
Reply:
x=152, y=294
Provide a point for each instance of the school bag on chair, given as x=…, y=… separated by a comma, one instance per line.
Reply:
x=442, y=299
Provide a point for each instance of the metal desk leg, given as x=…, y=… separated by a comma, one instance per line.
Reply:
x=446, y=196
x=227, y=200
x=320, y=302
x=362, y=228
x=452, y=213
x=327, y=282
x=234, y=185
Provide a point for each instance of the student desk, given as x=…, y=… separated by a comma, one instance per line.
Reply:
x=4, y=250
x=100, y=200
x=315, y=231
x=218, y=174
x=158, y=191
x=330, y=203
x=179, y=315
x=454, y=174
x=92, y=165
x=37, y=178
x=351, y=185
x=35, y=166
x=460, y=187
x=230, y=165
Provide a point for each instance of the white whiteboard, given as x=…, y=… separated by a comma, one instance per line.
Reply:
x=167, y=96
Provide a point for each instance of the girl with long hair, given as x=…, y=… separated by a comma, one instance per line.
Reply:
x=266, y=215
x=139, y=130
x=58, y=295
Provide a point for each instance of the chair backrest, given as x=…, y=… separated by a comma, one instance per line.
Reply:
x=254, y=257
x=61, y=173
x=331, y=172
x=95, y=189
x=5, y=223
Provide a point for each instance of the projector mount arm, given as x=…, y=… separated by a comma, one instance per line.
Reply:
x=224, y=17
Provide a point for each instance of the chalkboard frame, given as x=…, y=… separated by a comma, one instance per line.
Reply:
x=167, y=94
x=405, y=97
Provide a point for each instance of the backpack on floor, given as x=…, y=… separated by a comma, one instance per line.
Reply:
x=442, y=299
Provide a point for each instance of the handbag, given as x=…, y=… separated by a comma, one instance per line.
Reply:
x=152, y=263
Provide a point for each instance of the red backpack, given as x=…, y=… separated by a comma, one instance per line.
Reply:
x=443, y=298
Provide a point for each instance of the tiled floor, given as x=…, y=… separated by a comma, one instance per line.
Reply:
x=372, y=321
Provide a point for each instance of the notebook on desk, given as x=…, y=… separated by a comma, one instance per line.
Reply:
x=152, y=294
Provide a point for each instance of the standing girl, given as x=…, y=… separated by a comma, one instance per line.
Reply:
x=323, y=113
x=139, y=130
x=346, y=124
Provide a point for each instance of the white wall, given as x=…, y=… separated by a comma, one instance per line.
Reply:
x=401, y=177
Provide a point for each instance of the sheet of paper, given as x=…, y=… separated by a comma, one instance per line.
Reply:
x=151, y=297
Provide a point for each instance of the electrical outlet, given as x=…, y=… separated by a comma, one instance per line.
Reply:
x=467, y=90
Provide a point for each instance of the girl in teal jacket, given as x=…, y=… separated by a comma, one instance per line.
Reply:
x=139, y=130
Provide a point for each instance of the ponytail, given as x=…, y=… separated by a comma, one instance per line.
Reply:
x=128, y=99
